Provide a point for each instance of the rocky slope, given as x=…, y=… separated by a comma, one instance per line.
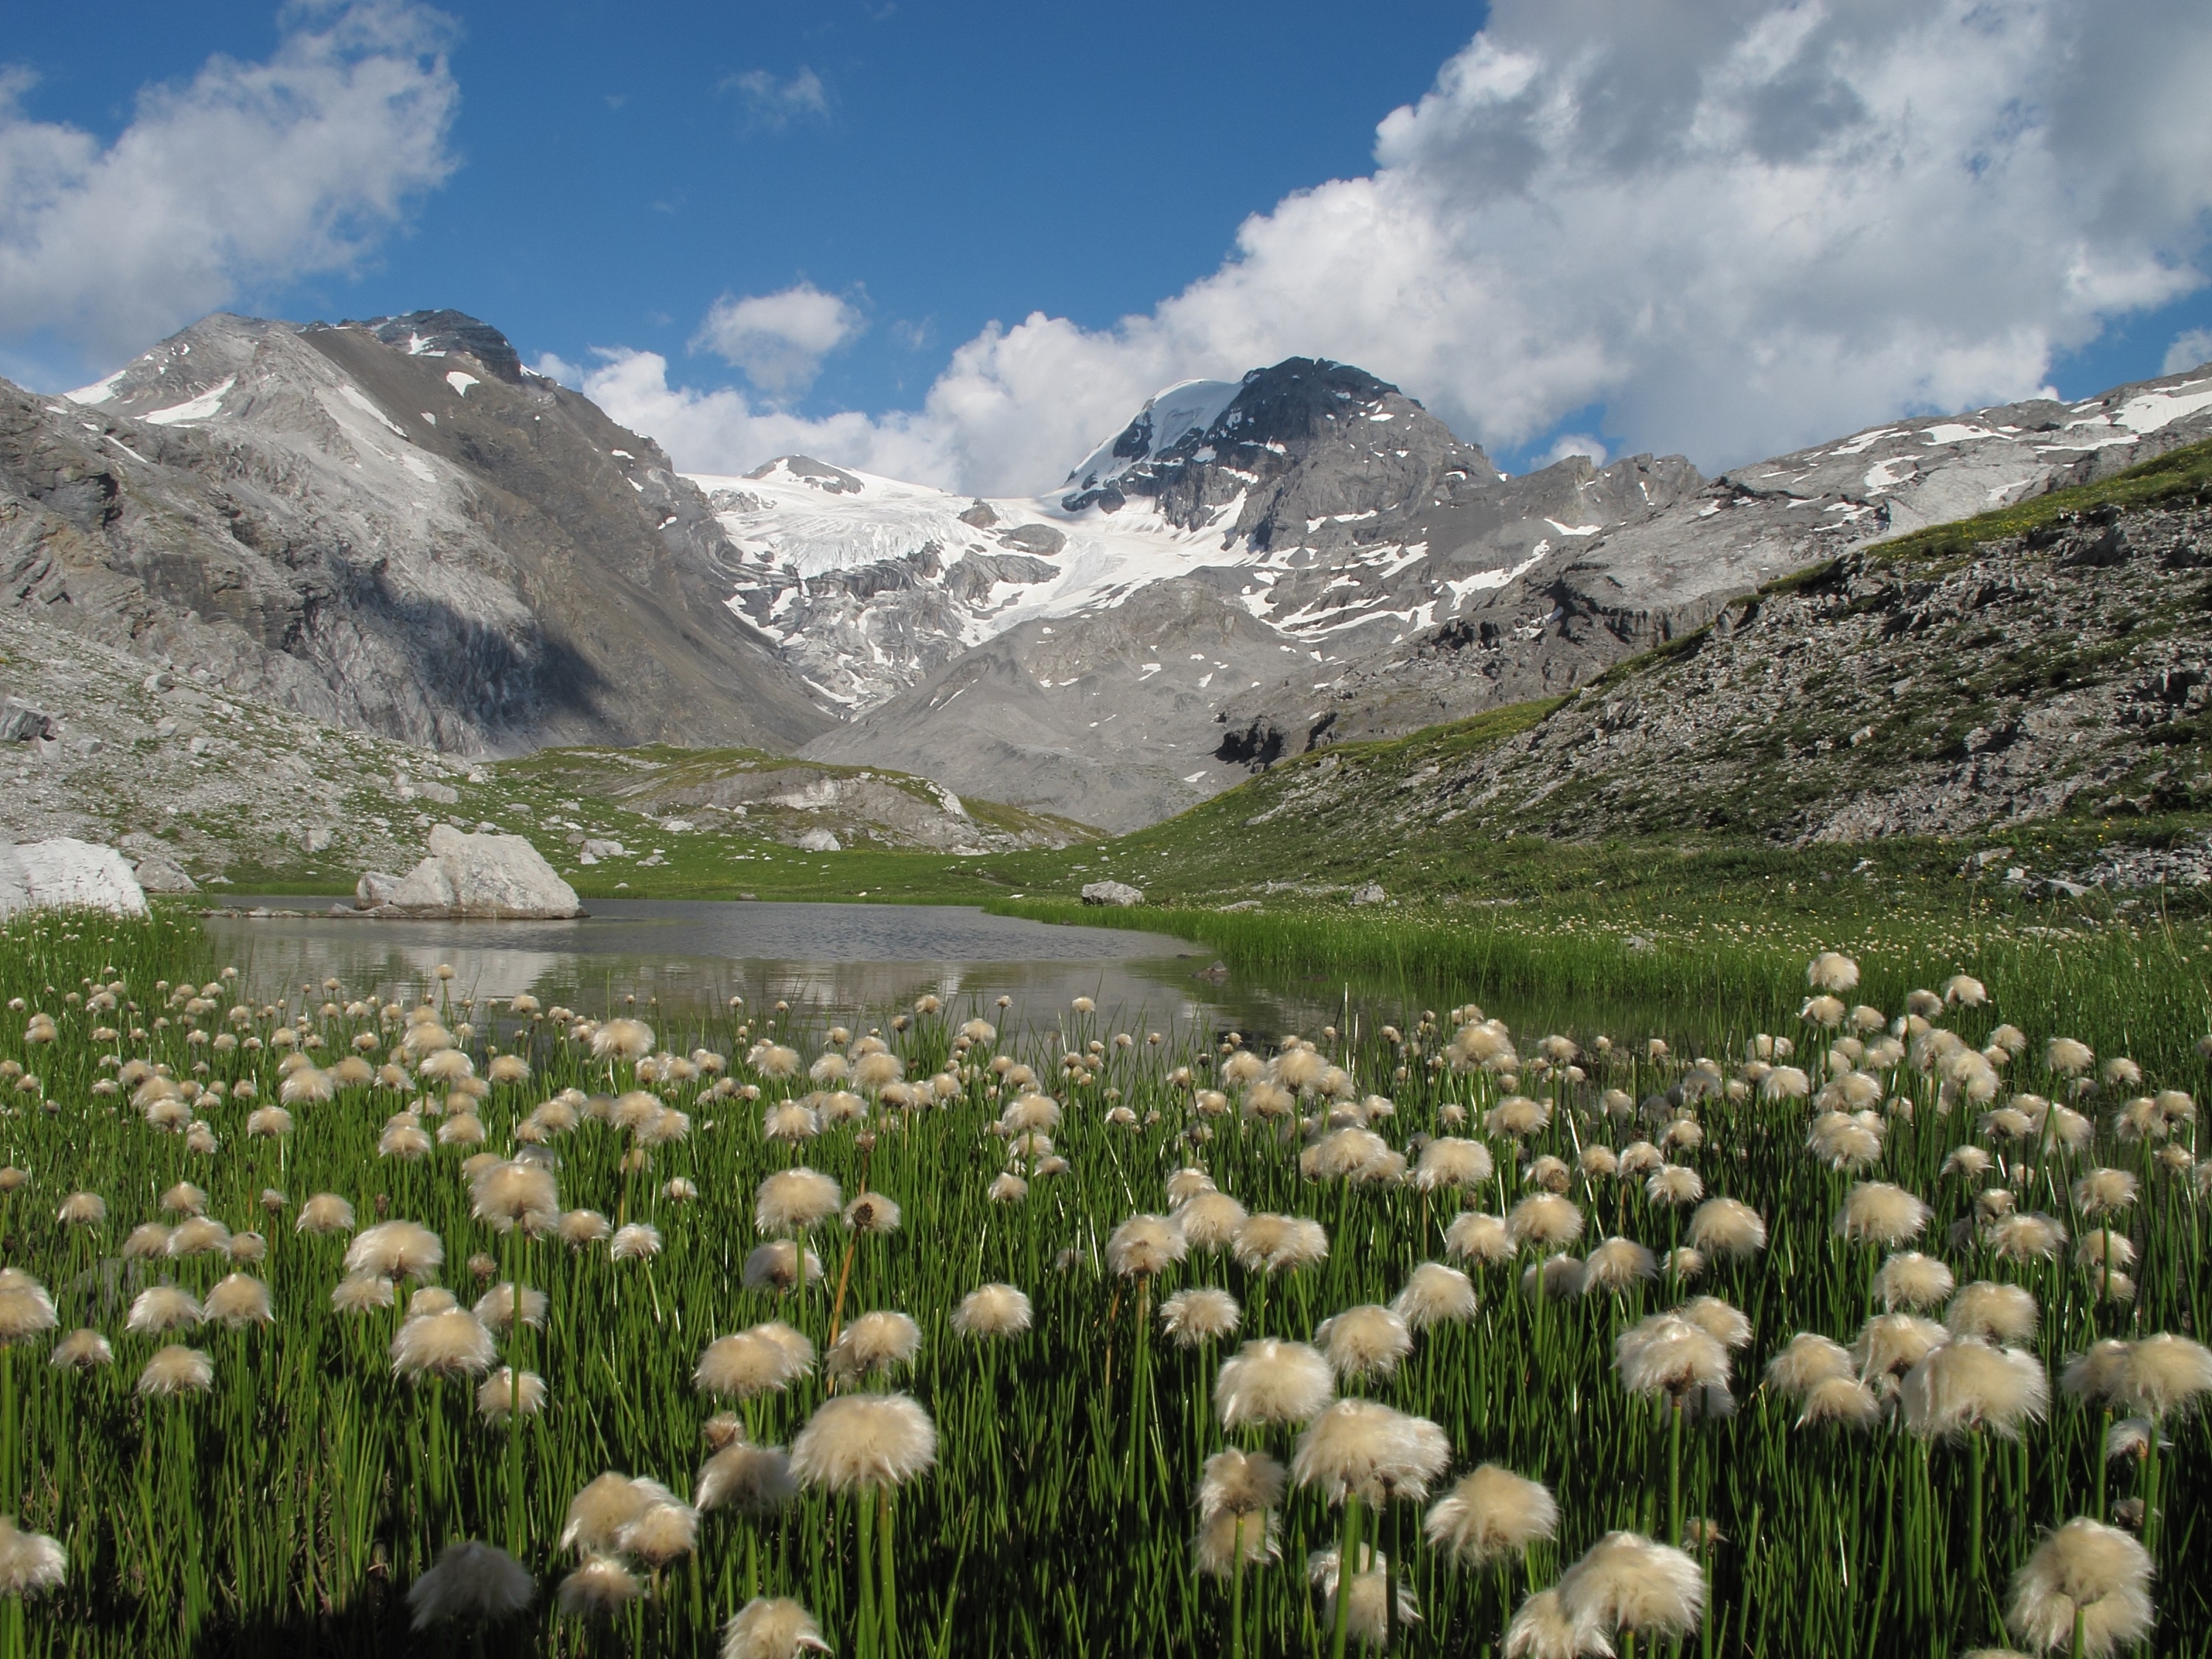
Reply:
x=1655, y=568
x=1251, y=569
x=1965, y=682
x=389, y=526
x=202, y=787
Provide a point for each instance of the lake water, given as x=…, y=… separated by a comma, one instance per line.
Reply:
x=835, y=962
x=831, y=960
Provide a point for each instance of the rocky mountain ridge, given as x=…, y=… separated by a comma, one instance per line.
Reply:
x=1388, y=576
x=390, y=527
x=1962, y=685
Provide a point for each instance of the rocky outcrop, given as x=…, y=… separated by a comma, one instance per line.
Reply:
x=66, y=873
x=1645, y=552
x=499, y=877
x=1943, y=690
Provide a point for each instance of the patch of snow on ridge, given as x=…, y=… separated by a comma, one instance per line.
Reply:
x=459, y=382
x=1174, y=415
x=100, y=391
x=359, y=400
x=201, y=408
x=2154, y=410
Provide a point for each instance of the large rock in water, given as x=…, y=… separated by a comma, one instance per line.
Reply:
x=498, y=876
x=66, y=873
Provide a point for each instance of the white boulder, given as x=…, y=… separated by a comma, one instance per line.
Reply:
x=480, y=875
x=817, y=841
x=66, y=873
x=1111, y=892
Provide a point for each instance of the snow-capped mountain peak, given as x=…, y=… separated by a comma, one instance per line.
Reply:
x=1184, y=412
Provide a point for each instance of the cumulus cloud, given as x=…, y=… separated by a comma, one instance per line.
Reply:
x=1573, y=443
x=775, y=104
x=1728, y=226
x=249, y=173
x=778, y=339
x=2188, y=350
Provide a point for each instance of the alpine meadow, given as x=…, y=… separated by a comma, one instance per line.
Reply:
x=879, y=831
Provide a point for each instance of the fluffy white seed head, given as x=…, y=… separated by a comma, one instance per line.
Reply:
x=450, y=1343
x=1910, y=1280
x=778, y=1265
x=1202, y=1314
x=1617, y=1265
x=748, y=1479
x=1625, y=1582
x=1889, y=1344
x=791, y=1200
x=1728, y=1228
x=996, y=1310
x=395, y=1249
x=1667, y=1354
x=1365, y=1341
x=31, y=1563
x=1237, y=1482
x=1545, y=1220
x=2084, y=1579
x=1968, y=1384
x=1144, y=1245
x=772, y=1628
x=175, y=1370
x=1476, y=1236
x=1435, y=1295
x=1280, y=1243
x=470, y=1580
x=1491, y=1513
x=1806, y=1361
x=1996, y=1313
x=872, y=1344
x=1878, y=1213
x=1268, y=1382
x=864, y=1440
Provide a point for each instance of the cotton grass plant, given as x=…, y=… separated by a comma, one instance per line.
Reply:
x=1457, y=1335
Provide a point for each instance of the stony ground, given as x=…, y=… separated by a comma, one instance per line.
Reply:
x=203, y=787
x=1990, y=694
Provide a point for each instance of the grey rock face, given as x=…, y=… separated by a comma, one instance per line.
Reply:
x=20, y=723
x=488, y=876
x=1388, y=577
x=2012, y=683
x=388, y=526
x=1112, y=892
x=375, y=888
x=1304, y=443
x=1100, y=717
x=1648, y=551
x=66, y=873
x=157, y=873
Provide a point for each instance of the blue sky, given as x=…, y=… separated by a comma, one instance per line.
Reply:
x=1870, y=233
x=958, y=163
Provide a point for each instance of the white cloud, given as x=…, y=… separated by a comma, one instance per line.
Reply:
x=247, y=174
x=778, y=339
x=2188, y=350
x=554, y=366
x=775, y=104
x=723, y=431
x=1572, y=443
x=1731, y=226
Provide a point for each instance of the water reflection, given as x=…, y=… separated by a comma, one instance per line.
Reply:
x=831, y=960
